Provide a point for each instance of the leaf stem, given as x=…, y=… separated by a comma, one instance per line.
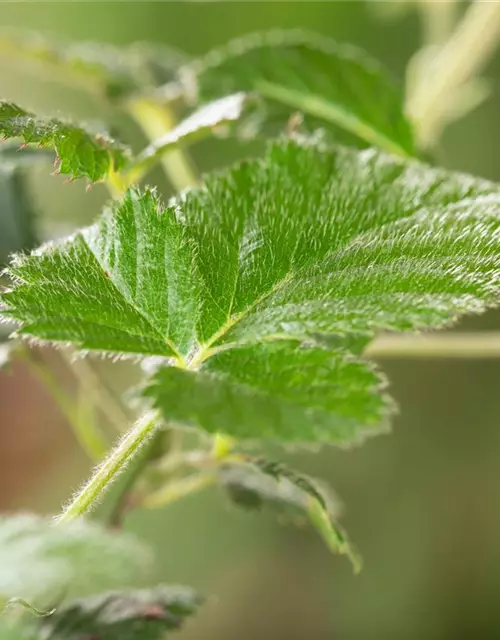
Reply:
x=83, y=426
x=156, y=120
x=106, y=473
x=484, y=345
x=179, y=489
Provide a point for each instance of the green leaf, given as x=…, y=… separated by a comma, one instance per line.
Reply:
x=113, y=71
x=262, y=287
x=209, y=118
x=80, y=153
x=276, y=391
x=334, y=86
x=260, y=481
x=129, y=615
x=44, y=563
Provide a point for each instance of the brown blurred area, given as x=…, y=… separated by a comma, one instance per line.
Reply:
x=421, y=504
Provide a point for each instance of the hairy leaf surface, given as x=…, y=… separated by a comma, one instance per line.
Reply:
x=79, y=152
x=263, y=481
x=129, y=615
x=334, y=86
x=263, y=286
x=44, y=564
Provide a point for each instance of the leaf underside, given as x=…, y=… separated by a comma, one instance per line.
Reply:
x=259, y=481
x=130, y=615
x=334, y=86
x=79, y=153
x=262, y=287
x=44, y=564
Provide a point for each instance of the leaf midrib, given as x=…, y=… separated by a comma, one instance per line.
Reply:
x=335, y=114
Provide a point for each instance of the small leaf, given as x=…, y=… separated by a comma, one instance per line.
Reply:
x=259, y=291
x=334, y=86
x=114, y=71
x=207, y=119
x=43, y=563
x=260, y=481
x=129, y=615
x=79, y=153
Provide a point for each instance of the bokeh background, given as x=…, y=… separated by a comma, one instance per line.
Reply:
x=422, y=504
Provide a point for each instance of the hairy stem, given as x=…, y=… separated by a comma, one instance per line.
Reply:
x=106, y=473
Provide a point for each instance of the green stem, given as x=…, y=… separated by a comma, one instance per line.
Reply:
x=157, y=120
x=179, y=489
x=94, y=386
x=106, y=473
x=448, y=345
x=84, y=428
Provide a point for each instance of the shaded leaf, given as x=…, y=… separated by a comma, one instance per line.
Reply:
x=43, y=563
x=113, y=71
x=129, y=615
x=262, y=287
x=259, y=481
x=335, y=86
x=79, y=152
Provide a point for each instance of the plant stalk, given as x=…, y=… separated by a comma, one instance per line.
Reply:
x=485, y=345
x=106, y=473
x=156, y=120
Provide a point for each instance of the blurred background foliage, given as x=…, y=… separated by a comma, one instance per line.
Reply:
x=422, y=503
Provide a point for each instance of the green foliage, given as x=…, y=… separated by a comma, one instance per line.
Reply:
x=334, y=86
x=209, y=118
x=258, y=285
x=43, y=563
x=259, y=481
x=79, y=153
x=252, y=296
x=111, y=71
x=130, y=615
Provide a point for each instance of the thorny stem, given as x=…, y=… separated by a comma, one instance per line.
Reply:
x=106, y=473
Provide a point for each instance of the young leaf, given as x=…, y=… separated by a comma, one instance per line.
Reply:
x=79, y=153
x=262, y=286
x=43, y=563
x=205, y=120
x=129, y=615
x=113, y=71
x=334, y=86
x=262, y=481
